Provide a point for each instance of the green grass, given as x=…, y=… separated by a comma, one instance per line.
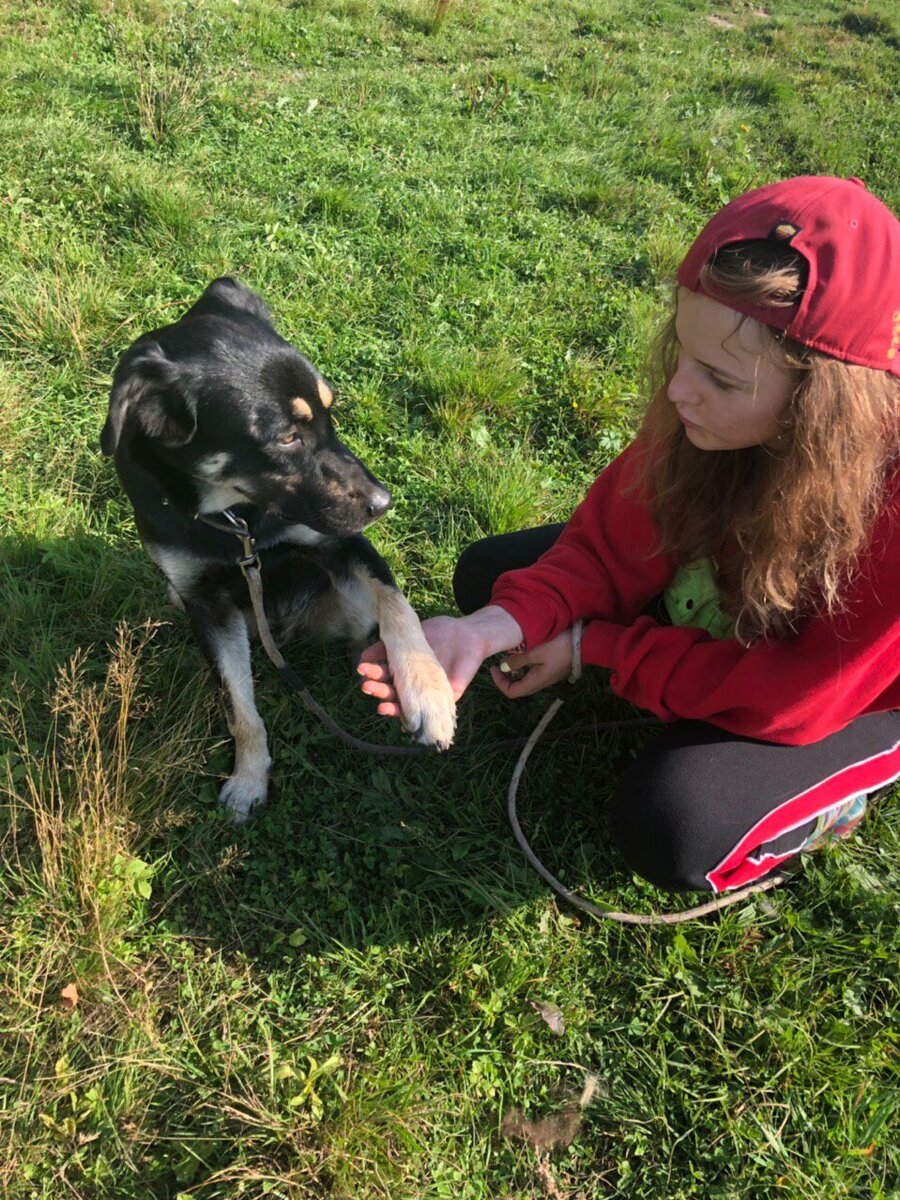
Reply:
x=466, y=214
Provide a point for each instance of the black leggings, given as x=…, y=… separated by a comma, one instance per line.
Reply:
x=699, y=808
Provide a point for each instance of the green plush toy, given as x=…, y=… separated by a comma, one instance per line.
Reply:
x=692, y=598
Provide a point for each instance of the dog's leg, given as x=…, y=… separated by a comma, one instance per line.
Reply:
x=426, y=698
x=224, y=639
x=367, y=597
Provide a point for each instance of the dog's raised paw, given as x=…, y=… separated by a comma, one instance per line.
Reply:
x=241, y=796
x=426, y=698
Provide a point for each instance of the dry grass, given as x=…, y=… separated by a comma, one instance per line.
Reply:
x=106, y=1040
x=55, y=312
x=76, y=806
x=441, y=10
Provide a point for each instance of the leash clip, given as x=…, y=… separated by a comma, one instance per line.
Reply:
x=247, y=561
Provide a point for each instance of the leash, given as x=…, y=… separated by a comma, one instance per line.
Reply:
x=624, y=918
x=251, y=569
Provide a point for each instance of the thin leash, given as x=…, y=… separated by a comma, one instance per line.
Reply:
x=251, y=569
x=624, y=918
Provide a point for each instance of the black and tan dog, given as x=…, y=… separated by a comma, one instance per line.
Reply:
x=214, y=412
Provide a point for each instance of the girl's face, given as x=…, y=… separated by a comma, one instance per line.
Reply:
x=729, y=388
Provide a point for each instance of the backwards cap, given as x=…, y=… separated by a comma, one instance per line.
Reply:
x=850, y=307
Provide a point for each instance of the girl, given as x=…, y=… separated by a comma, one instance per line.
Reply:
x=737, y=568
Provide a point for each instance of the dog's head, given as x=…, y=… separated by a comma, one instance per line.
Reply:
x=219, y=399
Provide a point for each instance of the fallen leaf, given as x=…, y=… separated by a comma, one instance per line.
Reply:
x=551, y=1014
x=69, y=997
x=556, y=1131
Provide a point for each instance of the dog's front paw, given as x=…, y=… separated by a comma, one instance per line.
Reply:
x=240, y=795
x=426, y=698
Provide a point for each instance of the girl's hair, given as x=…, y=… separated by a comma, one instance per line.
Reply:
x=785, y=523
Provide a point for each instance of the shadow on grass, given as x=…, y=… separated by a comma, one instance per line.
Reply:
x=351, y=849
x=361, y=851
x=62, y=595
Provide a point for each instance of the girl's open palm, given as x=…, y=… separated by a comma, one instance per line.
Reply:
x=458, y=649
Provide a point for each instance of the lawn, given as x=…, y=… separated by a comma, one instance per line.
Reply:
x=467, y=215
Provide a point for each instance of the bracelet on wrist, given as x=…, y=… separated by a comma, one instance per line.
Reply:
x=577, y=630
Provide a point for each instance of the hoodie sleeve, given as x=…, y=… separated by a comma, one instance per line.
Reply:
x=790, y=691
x=606, y=563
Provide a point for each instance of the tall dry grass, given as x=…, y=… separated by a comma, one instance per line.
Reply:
x=105, y=1030
x=77, y=803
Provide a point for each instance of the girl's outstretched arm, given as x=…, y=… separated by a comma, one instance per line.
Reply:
x=461, y=645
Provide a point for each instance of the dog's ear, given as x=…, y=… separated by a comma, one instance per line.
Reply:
x=147, y=386
x=226, y=292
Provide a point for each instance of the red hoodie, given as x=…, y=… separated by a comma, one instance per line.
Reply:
x=606, y=567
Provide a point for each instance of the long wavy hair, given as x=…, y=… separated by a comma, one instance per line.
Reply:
x=784, y=523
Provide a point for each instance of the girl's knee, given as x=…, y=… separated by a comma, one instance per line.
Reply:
x=655, y=823
x=474, y=576
x=481, y=564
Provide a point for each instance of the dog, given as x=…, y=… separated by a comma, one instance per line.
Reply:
x=218, y=412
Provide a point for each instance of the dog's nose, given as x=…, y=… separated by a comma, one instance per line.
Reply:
x=379, y=502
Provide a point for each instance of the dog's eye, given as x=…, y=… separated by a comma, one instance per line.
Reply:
x=291, y=438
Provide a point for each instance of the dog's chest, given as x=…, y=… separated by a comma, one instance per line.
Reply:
x=296, y=594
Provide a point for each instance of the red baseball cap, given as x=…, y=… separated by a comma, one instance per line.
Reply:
x=850, y=308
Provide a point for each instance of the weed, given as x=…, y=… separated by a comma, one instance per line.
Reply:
x=165, y=66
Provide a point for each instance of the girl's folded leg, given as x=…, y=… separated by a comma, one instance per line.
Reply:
x=701, y=809
x=481, y=564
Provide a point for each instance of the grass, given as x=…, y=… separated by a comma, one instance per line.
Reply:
x=465, y=213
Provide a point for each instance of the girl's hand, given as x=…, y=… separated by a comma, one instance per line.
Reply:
x=460, y=644
x=543, y=666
